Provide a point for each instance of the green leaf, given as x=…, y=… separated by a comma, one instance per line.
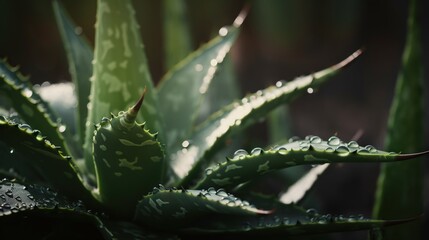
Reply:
x=297, y=191
x=210, y=136
x=286, y=220
x=126, y=154
x=172, y=209
x=177, y=37
x=79, y=55
x=400, y=185
x=244, y=166
x=41, y=158
x=32, y=108
x=120, y=70
x=182, y=89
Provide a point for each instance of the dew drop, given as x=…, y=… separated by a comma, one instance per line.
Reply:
x=256, y=151
x=62, y=128
x=312, y=211
x=223, y=31
x=185, y=144
x=209, y=171
x=310, y=90
x=315, y=139
x=334, y=141
x=240, y=153
x=280, y=83
x=213, y=62
x=221, y=193
x=27, y=92
x=370, y=148
x=342, y=149
x=329, y=150
x=353, y=144
x=12, y=151
x=9, y=193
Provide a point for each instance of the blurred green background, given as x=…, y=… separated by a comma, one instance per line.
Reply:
x=280, y=39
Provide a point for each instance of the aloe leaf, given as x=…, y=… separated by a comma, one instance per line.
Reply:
x=79, y=55
x=297, y=191
x=177, y=37
x=125, y=153
x=279, y=124
x=61, y=99
x=120, y=70
x=191, y=76
x=400, y=185
x=286, y=220
x=32, y=108
x=41, y=158
x=172, y=208
x=210, y=136
x=244, y=166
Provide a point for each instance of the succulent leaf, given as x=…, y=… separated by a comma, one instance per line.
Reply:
x=172, y=208
x=42, y=159
x=395, y=197
x=177, y=38
x=288, y=220
x=128, y=161
x=32, y=108
x=80, y=55
x=120, y=70
x=191, y=76
x=208, y=138
x=243, y=166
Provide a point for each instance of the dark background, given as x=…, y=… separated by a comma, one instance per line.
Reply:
x=279, y=40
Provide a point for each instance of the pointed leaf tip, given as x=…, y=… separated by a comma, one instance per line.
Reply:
x=139, y=103
x=349, y=59
x=411, y=155
x=241, y=16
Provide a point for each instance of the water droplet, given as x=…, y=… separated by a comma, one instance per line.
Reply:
x=185, y=144
x=312, y=211
x=62, y=128
x=280, y=83
x=293, y=139
x=362, y=150
x=256, y=151
x=334, y=141
x=286, y=221
x=27, y=92
x=18, y=198
x=342, y=149
x=221, y=193
x=371, y=148
x=353, y=144
x=310, y=90
x=329, y=150
x=9, y=193
x=315, y=139
x=240, y=154
x=213, y=62
x=209, y=171
x=12, y=151
x=223, y=31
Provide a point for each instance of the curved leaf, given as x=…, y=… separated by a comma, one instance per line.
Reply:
x=400, y=185
x=244, y=166
x=183, y=87
x=286, y=220
x=32, y=108
x=210, y=136
x=172, y=208
x=41, y=158
x=120, y=70
x=79, y=55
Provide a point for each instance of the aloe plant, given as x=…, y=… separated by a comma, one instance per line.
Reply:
x=139, y=165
